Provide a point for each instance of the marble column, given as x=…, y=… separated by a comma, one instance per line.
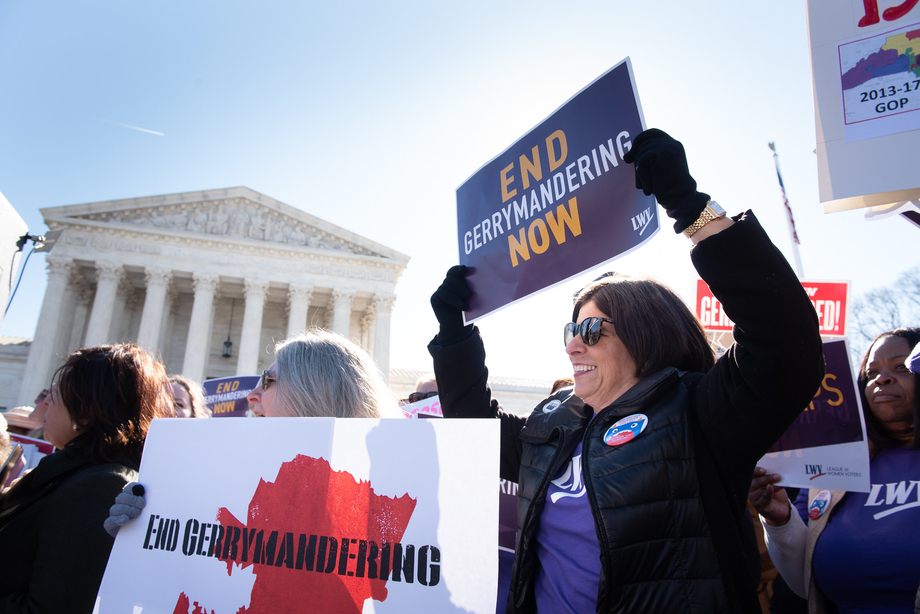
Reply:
x=341, y=311
x=65, y=324
x=251, y=335
x=198, y=344
x=84, y=296
x=108, y=276
x=41, y=353
x=148, y=334
x=383, y=309
x=367, y=324
x=299, y=296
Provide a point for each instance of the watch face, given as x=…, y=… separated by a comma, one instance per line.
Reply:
x=717, y=208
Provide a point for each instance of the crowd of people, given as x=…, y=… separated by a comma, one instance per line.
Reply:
x=634, y=474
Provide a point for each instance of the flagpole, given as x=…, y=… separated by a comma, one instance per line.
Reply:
x=791, y=222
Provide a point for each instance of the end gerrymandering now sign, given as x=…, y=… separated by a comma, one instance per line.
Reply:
x=226, y=396
x=559, y=201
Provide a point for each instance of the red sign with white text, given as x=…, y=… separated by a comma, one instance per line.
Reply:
x=829, y=299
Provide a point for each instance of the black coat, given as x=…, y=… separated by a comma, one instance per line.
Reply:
x=52, y=544
x=721, y=424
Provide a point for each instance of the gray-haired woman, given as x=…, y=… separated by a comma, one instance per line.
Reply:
x=316, y=374
x=321, y=374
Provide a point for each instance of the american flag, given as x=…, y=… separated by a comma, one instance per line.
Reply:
x=795, y=236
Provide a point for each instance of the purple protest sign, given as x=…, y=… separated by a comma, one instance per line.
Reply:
x=559, y=201
x=833, y=416
x=226, y=396
x=826, y=446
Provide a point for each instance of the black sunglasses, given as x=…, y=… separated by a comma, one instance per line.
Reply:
x=267, y=380
x=589, y=329
x=415, y=397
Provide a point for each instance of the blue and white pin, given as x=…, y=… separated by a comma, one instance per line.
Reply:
x=626, y=430
x=819, y=505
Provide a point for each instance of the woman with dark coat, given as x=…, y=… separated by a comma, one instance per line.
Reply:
x=632, y=487
x=53, y=546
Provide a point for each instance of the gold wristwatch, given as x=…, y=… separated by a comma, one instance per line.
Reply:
x=713, y=211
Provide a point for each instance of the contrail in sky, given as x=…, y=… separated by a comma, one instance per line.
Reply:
x=134, y=127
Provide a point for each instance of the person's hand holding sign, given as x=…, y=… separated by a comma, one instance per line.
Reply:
x=662, y=170
x=770, y=501
x=449, y=302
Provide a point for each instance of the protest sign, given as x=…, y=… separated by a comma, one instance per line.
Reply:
x=311, y=514
x=226, y=396
x=829, y=298
x=867, y=101
x=559, y=201
x=826, y=447
x=426, y=408
x=33, y=450
x=507, y=506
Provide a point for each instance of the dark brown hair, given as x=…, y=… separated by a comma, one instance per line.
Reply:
x=112, y=392
x=878, y=434
x=656, y=327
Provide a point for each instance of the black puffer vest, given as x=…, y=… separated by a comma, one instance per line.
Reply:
x=657, y=553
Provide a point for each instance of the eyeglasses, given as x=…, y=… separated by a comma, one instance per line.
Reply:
x=267, y=380
x=589, y=329
x=415, y=397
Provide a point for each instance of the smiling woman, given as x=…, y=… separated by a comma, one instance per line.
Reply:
x=632, y=484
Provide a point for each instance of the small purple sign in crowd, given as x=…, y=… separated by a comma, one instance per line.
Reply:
x=559, y=201
x=226, y=396
x=826, y=447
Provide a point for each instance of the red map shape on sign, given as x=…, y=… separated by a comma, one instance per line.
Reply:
x=308, y=498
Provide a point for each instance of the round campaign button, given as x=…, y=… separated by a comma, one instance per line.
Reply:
x=626, y=429
x=551, y=406
x=819, y=505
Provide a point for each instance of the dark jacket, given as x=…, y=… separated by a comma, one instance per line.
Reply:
x=669, y=506
x=52, y=543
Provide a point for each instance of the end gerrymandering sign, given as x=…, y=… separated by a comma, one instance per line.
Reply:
x=559, y=201
x=226, y=397
x=323, y=515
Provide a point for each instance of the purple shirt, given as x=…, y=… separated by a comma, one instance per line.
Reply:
x=868, y=556
x=567, y=547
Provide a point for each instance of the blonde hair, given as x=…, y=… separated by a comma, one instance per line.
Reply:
x=322, y=374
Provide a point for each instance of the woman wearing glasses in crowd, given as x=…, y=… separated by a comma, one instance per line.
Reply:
x=54, y=550
x=859, y=552
x=632, y=489
x=316, y=374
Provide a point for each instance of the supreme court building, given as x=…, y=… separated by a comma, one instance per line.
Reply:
x=183, y=274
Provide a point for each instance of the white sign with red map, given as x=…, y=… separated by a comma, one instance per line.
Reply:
x=311, y=515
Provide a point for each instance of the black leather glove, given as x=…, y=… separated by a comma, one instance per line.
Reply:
x=448, y=303
x=661, y=169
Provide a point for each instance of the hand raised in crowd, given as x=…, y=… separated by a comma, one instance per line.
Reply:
x=770, y=501
x=661, y=169
x=449, y=302
x=128, y=505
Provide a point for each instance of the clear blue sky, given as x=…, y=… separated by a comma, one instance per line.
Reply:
x=369, y=115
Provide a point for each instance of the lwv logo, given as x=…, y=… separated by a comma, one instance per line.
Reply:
x=815, y=471
x=642, y=220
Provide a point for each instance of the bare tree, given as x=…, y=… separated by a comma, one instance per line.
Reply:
x=885, y=308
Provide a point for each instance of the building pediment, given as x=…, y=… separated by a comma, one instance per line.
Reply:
x=232, y=213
